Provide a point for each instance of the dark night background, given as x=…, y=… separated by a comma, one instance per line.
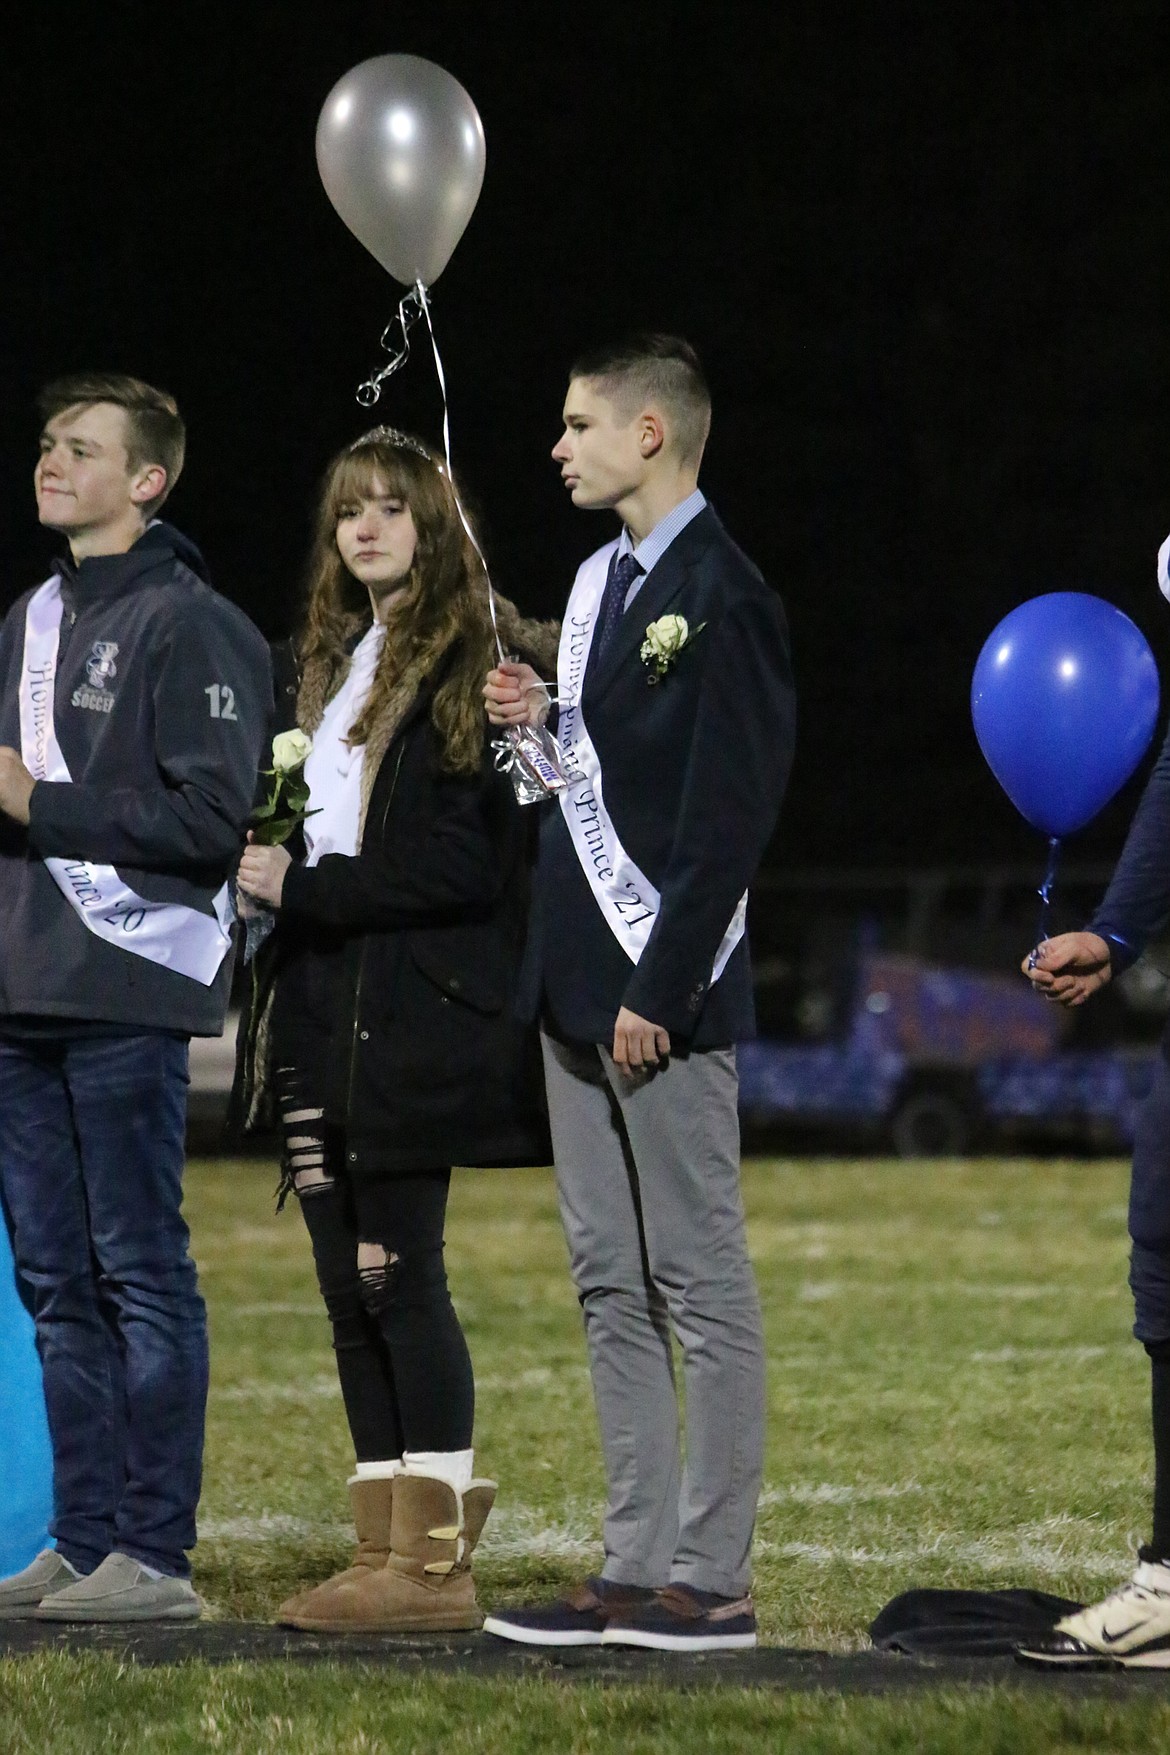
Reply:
x=921, y=249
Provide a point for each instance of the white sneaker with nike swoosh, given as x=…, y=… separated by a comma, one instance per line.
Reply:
x=1128, y=1630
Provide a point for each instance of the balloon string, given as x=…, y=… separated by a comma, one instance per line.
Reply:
x=1045, y=895
x=425, y=307
x=411, y=306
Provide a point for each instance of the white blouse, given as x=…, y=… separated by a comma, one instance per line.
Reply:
x=333, y=770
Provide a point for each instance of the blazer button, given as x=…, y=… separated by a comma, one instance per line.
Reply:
x=365, y=1035
x=352, y=1156
x=454, y=984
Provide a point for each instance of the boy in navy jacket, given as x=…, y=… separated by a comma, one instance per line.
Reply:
x=676, y=715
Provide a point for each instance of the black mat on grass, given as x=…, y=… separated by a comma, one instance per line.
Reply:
x=478, y=1654
x=967, y=1623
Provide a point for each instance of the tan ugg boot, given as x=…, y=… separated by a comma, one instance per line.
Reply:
x=426, y=1584
x=372, y=1502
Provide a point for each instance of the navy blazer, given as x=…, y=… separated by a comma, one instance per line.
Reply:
x=695, y=767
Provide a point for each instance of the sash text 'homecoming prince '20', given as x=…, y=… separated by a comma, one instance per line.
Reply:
x=134, y=705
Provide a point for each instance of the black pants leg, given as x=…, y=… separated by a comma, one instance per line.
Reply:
x=1149, y=1278
x=402, y=1360
x=408, y=1296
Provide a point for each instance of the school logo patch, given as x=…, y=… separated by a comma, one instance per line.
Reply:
x=100, y=669
x=100, y=666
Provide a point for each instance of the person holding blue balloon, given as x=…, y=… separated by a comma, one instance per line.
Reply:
x=1065, y=700
x=1132, y=1626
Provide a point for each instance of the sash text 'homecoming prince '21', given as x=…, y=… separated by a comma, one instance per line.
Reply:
x=676, y=713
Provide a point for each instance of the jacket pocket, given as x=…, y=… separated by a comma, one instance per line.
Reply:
x=460, y=984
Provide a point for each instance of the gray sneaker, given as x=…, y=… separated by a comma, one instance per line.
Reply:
x=122, y=1590
x=43, y=1577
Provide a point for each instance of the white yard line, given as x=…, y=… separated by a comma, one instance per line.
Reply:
x=520, y=1531
x=1043, y=1550
x=271, y=1527
x=1039, y=1355
x=274, y=1308
x=816, y=1291
x=535, y=1377
x=995, y=1555
x=827, y=1493
x=313, y=1389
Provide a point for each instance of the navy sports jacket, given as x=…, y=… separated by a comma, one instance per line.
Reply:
x=694, y=768
x=163, y=752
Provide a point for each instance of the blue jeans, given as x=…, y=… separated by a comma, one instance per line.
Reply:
x=91, y=1161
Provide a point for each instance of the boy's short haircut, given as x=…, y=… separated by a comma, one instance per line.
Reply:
x=154, y=427
x=655, y=369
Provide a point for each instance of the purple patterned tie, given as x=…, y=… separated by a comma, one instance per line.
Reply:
x=623, y=570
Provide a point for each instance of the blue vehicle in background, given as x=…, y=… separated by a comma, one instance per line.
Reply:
x=891, y=1010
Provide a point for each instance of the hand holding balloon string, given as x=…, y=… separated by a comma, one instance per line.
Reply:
x=1069, y=968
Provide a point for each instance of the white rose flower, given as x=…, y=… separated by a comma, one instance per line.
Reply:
x=667, y=635
x=665, y=640
x=289, y=750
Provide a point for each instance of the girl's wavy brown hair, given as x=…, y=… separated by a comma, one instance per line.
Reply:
x=440, y=623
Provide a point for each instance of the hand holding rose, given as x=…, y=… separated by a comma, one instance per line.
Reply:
x=261, y=873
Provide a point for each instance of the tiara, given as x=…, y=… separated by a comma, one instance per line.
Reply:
x=391, y=436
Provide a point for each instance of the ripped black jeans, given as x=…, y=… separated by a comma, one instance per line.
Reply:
x=405, y=1371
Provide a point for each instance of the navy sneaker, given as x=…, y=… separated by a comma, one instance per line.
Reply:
x=681, y=1618
x=578, y=1618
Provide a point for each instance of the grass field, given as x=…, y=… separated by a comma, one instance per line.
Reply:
x=954, y=1400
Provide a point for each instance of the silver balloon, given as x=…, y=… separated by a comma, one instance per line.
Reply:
x=400, y=150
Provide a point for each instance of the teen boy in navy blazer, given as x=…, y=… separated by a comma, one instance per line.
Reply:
x=675, y=707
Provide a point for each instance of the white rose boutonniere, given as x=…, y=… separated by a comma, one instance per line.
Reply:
x=664, y=642
x=285, y=807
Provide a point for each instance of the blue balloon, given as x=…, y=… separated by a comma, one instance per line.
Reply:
x=1065, y=700
x=26, y=1463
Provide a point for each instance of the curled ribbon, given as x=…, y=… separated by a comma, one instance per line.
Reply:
x=537, y=760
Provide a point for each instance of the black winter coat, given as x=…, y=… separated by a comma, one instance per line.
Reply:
x=401, y=965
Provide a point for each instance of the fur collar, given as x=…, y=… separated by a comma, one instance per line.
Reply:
x=320, y=680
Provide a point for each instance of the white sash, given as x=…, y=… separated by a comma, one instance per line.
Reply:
x=628, y=900
x=169, y=933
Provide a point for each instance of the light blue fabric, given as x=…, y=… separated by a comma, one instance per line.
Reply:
x=649, y=552
x=26, y=1465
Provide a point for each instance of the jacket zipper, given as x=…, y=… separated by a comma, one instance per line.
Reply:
x=357, y=997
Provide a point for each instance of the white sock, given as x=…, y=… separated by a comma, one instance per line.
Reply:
x=453, y=1466
x=376, y=1471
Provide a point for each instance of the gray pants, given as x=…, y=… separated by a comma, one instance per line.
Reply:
x=648, y=1179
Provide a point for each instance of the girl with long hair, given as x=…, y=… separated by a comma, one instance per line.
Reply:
x=382, y=1026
